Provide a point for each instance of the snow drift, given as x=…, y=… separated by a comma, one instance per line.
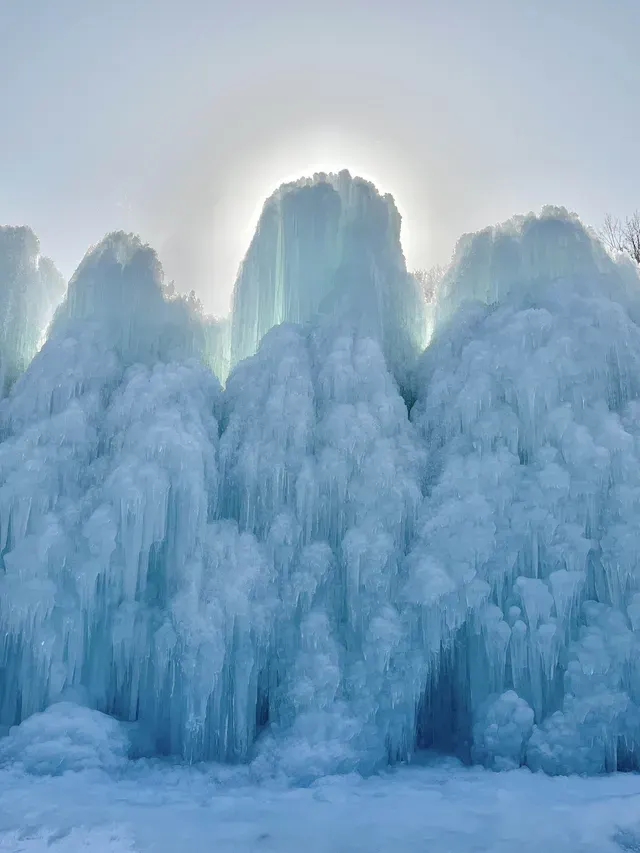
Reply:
x=298, y=571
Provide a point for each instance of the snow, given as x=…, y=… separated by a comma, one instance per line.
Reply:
x=442, y=807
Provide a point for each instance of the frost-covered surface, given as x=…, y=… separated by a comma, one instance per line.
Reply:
x=205, y=592
x=296, y=572
x=329, y=245
x=30, y=289
x=444, y=808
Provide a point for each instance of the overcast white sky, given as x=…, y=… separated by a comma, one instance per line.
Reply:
x=175, y=118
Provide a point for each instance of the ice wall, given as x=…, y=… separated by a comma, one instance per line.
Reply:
x=295, y=571
x=329, y=245
x=217, y=345
x=318, y=461
x=202, y=591
x=107, y=478
x=30, y=289
x=529, y=405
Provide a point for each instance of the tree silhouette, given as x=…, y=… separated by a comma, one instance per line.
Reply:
x=623, y=236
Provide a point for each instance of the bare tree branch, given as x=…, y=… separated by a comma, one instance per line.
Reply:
x=622, y=236
x=633, y=236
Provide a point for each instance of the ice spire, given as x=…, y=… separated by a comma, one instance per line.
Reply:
x=329, y=245
x=30, y=289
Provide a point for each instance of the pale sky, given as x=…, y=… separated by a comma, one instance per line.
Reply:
x=175, y=118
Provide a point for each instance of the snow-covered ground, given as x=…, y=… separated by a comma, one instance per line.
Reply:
x=439, y=808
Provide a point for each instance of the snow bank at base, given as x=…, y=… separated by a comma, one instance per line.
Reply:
x=442, y=808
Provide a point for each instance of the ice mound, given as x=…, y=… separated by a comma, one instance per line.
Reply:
x=65, y=738
x=107, y=477
x=502, y=730
x=320, y=463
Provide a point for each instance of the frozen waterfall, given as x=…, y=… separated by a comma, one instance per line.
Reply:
x=329, y=246
x=295, y=570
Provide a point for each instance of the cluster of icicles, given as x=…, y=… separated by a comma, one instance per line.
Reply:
x=318, y=568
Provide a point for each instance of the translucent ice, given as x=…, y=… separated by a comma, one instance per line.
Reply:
x=30, y=289
x=329, y=245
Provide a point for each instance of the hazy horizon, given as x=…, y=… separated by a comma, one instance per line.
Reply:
x=177, y=121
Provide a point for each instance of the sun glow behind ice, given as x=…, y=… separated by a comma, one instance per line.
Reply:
x=254, y=180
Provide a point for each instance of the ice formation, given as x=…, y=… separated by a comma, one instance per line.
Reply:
x=30, y=289
x=329, y=245
x=296, y=570
x=66, y=737
x=527, y=400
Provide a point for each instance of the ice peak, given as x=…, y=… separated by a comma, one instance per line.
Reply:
x=329, y=245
